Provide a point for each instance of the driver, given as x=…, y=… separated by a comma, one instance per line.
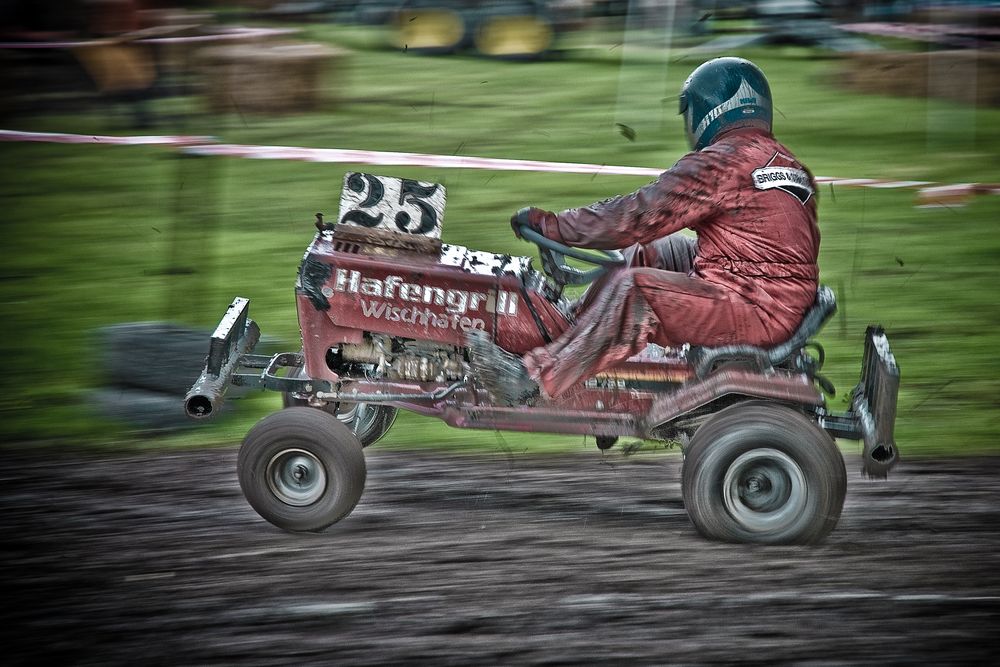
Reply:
x=748, y=277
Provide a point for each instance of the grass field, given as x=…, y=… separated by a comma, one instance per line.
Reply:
x=89, y=230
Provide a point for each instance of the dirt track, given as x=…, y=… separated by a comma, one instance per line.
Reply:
x=497, y=559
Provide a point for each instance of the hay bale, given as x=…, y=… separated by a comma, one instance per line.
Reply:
x=269, y=78
x=956, y=14
x=968, y=76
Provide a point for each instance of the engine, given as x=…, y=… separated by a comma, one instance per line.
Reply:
x=381, y=356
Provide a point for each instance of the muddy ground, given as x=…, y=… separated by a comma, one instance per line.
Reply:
x=493, y=559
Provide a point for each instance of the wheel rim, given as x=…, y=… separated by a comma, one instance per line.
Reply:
x=359, y=417
x=347, y=412
x=364, y=417
x=764, y=490
x=296, y=477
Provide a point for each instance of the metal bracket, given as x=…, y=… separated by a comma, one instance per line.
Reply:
x=270, y=376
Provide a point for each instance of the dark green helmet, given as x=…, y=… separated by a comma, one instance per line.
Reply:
x=722, y=94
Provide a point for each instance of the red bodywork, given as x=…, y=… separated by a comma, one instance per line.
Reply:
x=347, y=288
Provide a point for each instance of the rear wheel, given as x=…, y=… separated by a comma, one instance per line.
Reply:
x=765, y=474
x=368, y=422
x=301, y=469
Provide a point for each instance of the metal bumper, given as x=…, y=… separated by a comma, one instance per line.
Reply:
x=230, y=361
x=235, y=336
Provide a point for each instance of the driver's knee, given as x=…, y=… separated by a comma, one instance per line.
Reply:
x=634, y=255
x=675, y=252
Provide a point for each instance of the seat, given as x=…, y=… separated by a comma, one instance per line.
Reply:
x=704, y=359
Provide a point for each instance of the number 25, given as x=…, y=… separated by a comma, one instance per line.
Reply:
x=410, y=193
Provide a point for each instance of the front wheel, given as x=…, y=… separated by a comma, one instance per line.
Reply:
x=763, y=474
x=301, y=469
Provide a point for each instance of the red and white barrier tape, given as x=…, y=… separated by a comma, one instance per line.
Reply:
x=347, y=156
x=223, y=35
x=62, y=138
x=930, y=192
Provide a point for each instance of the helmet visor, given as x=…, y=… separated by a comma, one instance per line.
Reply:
x=685, y=111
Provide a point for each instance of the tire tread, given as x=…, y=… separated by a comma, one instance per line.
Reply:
x=324, y=436
x=811, y=447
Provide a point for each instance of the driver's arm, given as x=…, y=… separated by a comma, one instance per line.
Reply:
x=681, y=197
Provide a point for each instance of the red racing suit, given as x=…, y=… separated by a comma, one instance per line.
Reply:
x=749, y=279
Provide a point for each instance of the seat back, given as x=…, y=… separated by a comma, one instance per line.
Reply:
x=823, y=308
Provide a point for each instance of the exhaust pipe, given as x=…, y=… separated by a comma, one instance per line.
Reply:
x=205, y=398
x=874, y=404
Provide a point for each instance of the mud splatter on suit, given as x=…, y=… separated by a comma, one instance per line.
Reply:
x=748, y=278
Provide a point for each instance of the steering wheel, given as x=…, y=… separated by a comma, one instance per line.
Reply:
x=554, y=256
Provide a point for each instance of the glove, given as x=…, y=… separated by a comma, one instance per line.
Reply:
x=531, y=217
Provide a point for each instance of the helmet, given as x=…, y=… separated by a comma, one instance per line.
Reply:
x=722, y=94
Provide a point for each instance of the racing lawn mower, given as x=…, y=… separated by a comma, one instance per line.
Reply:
x=385, y=308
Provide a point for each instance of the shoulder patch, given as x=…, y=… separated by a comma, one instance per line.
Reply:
x=783, y=173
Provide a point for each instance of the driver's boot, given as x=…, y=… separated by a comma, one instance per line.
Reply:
x=501, y=372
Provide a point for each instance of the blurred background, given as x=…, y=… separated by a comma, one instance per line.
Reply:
x=119, y=259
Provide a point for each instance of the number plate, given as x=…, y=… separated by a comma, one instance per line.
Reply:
x=398, y=205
